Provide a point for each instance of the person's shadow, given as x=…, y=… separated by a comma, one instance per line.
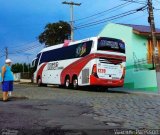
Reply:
x=14, y=99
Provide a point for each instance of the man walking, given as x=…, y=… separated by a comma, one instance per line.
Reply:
x=7, y=79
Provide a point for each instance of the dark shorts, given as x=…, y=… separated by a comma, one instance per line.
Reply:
x=7, y=86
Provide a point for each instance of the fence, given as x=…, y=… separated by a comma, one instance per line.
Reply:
x=142, y=64
x=17, y=76
x=26, y=75
x=146, y=64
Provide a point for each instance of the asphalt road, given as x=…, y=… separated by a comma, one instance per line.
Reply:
x=55, y=111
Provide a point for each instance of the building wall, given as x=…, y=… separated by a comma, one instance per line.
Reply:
x=136, y=47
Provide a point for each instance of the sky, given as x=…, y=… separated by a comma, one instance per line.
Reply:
x=21, y=21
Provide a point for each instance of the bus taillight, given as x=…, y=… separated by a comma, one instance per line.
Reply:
x=124, y=72
x=94, y=70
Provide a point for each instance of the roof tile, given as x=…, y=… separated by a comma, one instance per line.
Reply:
x=141, y=28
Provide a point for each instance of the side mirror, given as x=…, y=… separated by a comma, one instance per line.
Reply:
x=33, y=63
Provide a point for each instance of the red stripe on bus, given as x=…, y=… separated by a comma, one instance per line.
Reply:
x=40, y=70
x=76, y=67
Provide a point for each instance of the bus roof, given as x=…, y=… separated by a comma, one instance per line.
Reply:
x=62, y=45
x=72, y=43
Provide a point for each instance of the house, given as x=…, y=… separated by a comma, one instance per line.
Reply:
x=140, y=71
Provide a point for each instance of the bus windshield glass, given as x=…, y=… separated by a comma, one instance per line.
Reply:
x=108, y=44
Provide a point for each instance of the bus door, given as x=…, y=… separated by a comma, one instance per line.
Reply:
x=51, y=74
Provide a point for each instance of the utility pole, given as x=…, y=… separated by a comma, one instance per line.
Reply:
x=6, y=52
x=72, y=16
x=153, y=34
x=23, y=67
x=154, y=42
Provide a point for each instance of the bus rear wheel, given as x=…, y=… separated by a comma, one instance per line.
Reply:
x=67, y=82
x=75, y=83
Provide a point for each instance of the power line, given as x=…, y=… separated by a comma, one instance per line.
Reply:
x=2, y=56
x=107, y=11
x=22, y=50
x=23, y=44
x=26, y=47
x=25, y=50
x=116, y=7
x=102, y=12
x=156, y=9
x=2, y=53
x=6, y=52
x=134, y=1
x=135, y=18
x=111, y=18
x=158, y=1
x=96, y=23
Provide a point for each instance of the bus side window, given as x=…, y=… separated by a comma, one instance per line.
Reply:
x=36, y=63
x=93, y=44
x=33, y=62
x=37, y=60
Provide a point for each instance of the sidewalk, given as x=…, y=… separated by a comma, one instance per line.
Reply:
x=23, y=81
x=133, y=91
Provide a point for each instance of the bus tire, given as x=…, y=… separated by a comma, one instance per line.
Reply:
x=75, y=82
x=67, y=82
x=60, y=86
x=39, y=82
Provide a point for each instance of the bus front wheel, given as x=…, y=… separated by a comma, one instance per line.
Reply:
x=39, y=82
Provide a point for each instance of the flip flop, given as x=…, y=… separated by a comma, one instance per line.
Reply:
x=6, y=100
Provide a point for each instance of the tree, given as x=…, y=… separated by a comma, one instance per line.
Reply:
x=19, y=67
x=55, y=33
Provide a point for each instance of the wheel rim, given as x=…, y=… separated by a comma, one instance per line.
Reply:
x=39, y=81
x=75, y=83
x=67, y=83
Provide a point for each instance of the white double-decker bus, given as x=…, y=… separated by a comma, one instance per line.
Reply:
x=96, y=61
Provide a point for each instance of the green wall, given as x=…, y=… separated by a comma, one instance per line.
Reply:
x=137, y=45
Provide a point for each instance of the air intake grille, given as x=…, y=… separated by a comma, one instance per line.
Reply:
x=110, y=61
x=85, y=75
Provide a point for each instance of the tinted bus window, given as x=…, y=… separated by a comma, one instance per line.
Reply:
x=70, y=52
x=109, y=44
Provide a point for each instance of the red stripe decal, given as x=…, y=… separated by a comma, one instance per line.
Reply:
x=40, y=70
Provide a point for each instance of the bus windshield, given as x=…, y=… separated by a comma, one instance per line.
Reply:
x=109, y=44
